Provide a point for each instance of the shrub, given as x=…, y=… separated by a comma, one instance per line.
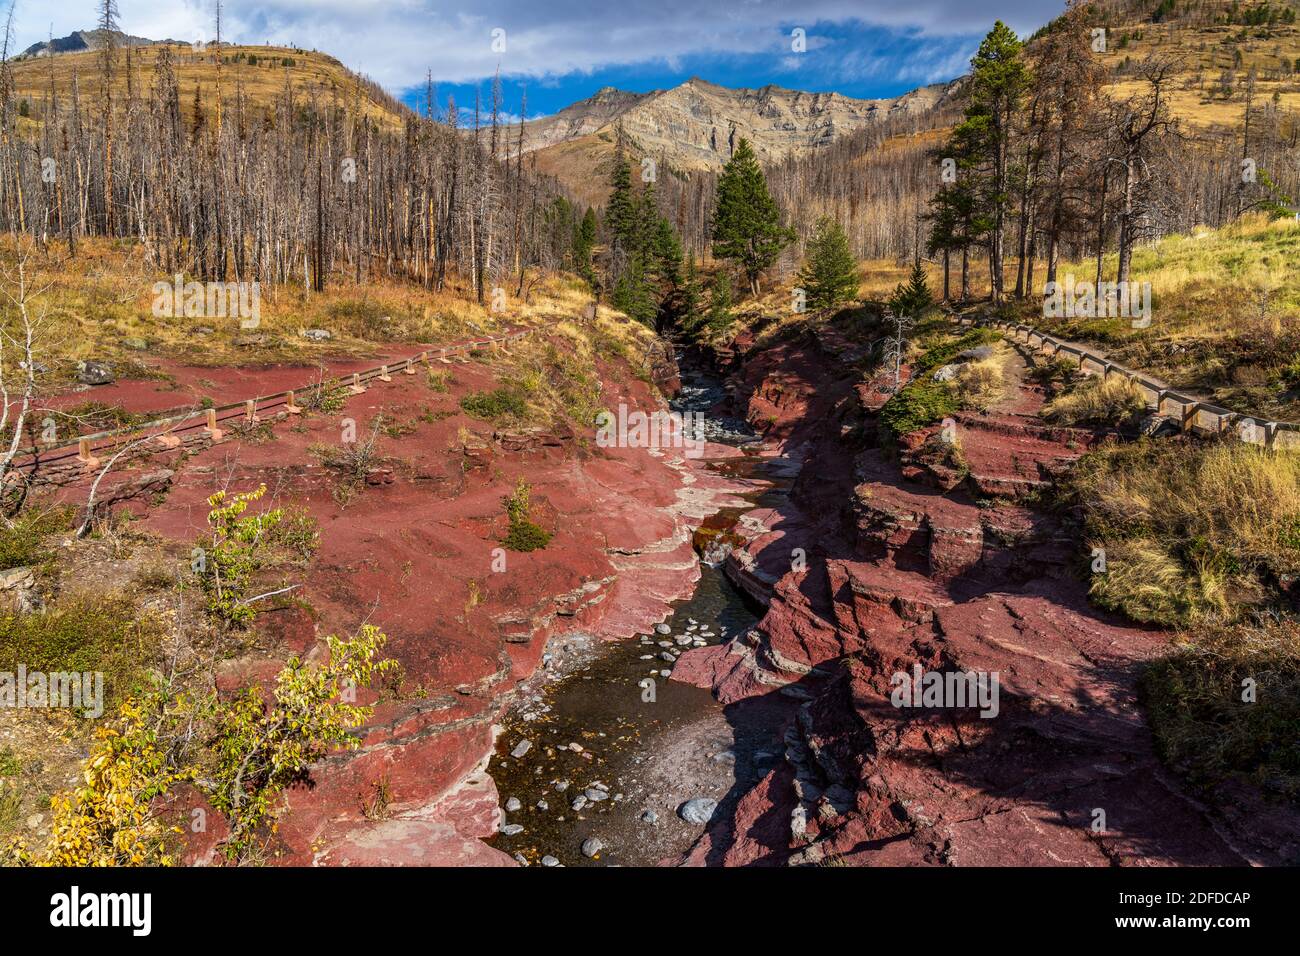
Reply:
x=235, y=551
x=498, y=403
x=1192, y=531
x=945, y=352
x=1112, y=400
x=296, y=531
x=22, y=542
x=241, y=753
x=523, y=533
x=84, y=635
x=981, y=384
x=920, y=403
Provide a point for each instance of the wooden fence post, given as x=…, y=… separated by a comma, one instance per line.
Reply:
x=84, y=455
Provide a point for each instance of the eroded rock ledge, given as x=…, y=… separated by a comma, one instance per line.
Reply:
x=907, y=565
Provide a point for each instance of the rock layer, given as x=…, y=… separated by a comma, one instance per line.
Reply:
x=907, y=568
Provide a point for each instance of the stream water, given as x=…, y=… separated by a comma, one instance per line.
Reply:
x=614, y=748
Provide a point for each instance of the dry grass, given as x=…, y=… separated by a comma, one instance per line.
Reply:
x=100, y=305
x=1097, y=401
x=1225, y=314
x=983, y=383
x=1204, y=52
x=1192, y=532
x=312, y=74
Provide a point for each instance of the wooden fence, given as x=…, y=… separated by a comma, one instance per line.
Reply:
x=1195, y=414
x=166, y=432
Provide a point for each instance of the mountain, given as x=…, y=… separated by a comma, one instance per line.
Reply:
x=695, y=126
x=80, y=41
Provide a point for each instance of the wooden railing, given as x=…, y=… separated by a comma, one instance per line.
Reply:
x=165, y=432
x=1196, y=415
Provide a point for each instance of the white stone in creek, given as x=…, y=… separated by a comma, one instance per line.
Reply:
x=513, y=804
x=549, y=860
x=521, y=748
x=663, y=629
x=665, y=674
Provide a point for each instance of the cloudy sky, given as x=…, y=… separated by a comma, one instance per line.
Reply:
x=564, y=50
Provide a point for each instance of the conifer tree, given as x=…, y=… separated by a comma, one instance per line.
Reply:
x=830, y=273
x=746, y=221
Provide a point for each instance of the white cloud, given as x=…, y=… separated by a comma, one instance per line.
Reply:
x=396, y=41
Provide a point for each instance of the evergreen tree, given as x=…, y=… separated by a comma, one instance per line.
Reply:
x=913, y=299
x=719, y=316
x=584, y=242
x=691, y=314
x=830, y=273
x=667, y=250
x=999, y=79
x=746, y=221
x=621, y=211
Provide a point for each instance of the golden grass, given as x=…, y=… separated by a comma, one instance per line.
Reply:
x=262, y=84
x=99, y=305
x=983, y=383
x=1192, y=531
x=1203, y=53
x=1225, y=313
x=1096, y=401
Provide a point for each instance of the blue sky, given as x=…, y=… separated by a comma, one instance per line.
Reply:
x=565, y=50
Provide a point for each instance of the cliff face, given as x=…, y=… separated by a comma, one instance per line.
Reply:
x=907, y=568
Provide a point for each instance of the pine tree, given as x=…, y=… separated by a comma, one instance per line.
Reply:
x=913, y=299
x=746, y=221
x=999, y=79
x=621, y=211
x=719, y=316
x=584, y=241
x=830, y=273
x=691, y=314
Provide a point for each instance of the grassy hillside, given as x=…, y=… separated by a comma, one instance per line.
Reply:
x=1217, y=45
x=258, y=72
x=1225, y=315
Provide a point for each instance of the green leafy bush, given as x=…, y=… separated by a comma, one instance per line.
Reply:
x=524, y=534
x=233, y=552
x=22, y=543
x=920, y=403
x=498, y=403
